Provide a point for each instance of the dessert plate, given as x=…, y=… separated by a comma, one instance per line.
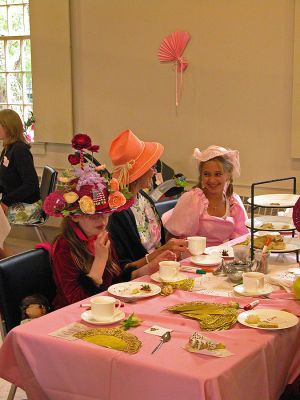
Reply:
x=134, y=290
x=179, y=277
x=267, y=289
x=223, y=251
x=207, y=260
x=275, y=200
x=283, y=319
x=271, y=223
x=87, y=317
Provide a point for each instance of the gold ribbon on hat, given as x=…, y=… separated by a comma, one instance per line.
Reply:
x=123, y=171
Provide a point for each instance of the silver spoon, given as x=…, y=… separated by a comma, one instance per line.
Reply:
x=165, y=338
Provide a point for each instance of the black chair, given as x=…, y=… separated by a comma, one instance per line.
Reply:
x=48, y=183
x=23, y=275
x=164, y=206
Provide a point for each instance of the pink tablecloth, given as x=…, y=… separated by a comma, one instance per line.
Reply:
x=51, y=368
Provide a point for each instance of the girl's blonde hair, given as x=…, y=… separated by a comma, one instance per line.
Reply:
x=228, y=167
x=83, y=259
x=12, y=123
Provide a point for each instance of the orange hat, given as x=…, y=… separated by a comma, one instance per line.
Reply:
x=132, y=157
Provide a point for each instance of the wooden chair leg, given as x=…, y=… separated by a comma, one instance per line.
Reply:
x=40, y=234
x=12, y=392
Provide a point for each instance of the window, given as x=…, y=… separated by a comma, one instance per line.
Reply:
x=15, y=58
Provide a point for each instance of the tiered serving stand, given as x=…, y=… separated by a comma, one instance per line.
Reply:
x=281, y=224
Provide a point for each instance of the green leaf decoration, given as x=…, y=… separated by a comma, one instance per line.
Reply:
x=131, y=322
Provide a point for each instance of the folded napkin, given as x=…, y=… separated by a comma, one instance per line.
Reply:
x=203, y=345
x=185, y=284
x=113, y=338
x=211, y=316
x=284, y=279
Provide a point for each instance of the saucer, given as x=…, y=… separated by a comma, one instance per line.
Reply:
x=87, y=317
x=179, y=277
x=267, y=289
x=206, y=260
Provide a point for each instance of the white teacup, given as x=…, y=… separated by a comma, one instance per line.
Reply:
x=104, y=307
x=168, y=269
x=253, y=281
x=196, y=245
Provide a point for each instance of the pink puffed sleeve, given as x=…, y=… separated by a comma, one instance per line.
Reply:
x=183, y=220
x=239, y=215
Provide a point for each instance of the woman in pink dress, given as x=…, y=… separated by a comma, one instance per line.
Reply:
x=210, y=209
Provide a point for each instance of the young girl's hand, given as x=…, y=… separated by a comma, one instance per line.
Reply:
x=102, y=245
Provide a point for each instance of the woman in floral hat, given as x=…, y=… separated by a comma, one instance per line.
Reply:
x=211, y=209
x=137, y=233
x=84, y=260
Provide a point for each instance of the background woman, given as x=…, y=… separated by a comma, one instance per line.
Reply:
x=19, y=182
x=137, y=233
x=211, y=209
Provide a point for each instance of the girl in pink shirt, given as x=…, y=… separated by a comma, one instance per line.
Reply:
x=210, y=209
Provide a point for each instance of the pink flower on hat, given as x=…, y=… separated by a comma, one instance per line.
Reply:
x=81, y=141
x=94, y=148
x=74, y=159
x=54, y=204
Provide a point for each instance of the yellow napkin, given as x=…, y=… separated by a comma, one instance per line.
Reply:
x=113, y=338
x=185, y=284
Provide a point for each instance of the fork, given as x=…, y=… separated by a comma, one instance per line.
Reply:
x=165, y=338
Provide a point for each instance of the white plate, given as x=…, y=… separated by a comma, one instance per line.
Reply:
x=291, y=244
x=217, y=251
x=275, y=200
x=87, y=317
x=124, y=290
x=267, y=289
x=207, y=261
x=282, y=318
x=276, y=221
x=180, y=277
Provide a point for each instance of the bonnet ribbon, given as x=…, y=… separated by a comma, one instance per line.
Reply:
x=123, y=171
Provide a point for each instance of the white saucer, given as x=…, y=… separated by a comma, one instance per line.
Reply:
x=206, y=260
x=87, y=317
x=267, y=289
x=179, y=277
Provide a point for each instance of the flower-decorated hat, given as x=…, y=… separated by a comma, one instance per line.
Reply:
x=86, y=190
x=132, y=157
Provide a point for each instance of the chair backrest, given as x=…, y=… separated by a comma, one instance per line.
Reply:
x=48, y=181
x=23, y=275
x=164, y=206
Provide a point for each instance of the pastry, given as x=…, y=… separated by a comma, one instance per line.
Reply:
x=276, y=243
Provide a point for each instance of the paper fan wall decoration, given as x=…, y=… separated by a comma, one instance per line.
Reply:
x=296, y=215
x=171, y=50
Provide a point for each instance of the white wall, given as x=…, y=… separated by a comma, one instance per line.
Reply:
x=237, y=88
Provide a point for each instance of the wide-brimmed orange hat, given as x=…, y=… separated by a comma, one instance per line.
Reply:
x=131, y=157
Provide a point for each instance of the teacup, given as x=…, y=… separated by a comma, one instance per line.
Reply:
x=196, y=245
x=253, y=281
x=168, y=269
x=104, y=307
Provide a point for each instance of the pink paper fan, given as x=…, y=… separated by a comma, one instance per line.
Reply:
x=296, y=215
x=171, y=49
